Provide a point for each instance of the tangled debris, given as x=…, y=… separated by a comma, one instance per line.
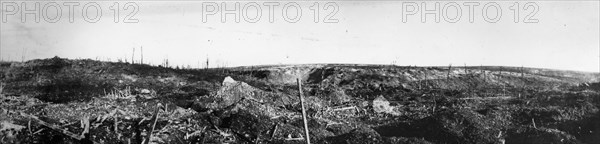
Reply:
x=83, y=101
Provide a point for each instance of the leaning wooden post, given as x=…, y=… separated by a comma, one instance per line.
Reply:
x=154, y=119
x=303, y=111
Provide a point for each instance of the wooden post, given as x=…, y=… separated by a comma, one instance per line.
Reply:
x=523, y=86
x=449, y=69
x=426, y=78
x=207, y=62
x=23, y=54
x=522, y=71
x=466, y=72
x=503, y=90
x=303, y=111
x=482, y=72
x=154, y=119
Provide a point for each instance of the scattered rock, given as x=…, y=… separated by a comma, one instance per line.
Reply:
x=228, y=80
x=5, y=125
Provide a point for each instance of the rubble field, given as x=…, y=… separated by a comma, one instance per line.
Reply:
x=60, y=100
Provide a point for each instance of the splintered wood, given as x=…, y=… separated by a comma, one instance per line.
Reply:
x=54, y=127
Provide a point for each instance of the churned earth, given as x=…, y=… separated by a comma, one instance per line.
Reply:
x=59, y=100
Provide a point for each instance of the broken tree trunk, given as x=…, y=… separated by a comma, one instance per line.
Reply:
x=522, y=71
x=141, y=55
x=133, y=56
x=482, y=72
x=449, y=69
x=303, y=111
x=466, y=71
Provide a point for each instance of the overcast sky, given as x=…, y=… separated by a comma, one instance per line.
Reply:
x=566, y=35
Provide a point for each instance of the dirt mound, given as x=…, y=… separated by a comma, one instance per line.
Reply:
x=234, y=92
x=280, y=75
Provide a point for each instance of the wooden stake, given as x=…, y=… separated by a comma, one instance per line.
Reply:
x=303, y=111
x=274, y=130
x=29, y=128
x=449, y=69
x=466, y=72
x=155, y=117
x=426, y=78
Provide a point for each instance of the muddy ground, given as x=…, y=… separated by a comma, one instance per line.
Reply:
x=84, y=101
